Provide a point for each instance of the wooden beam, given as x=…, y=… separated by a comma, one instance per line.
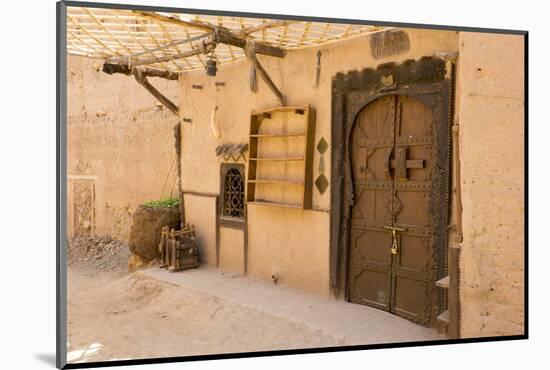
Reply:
x=166, y=58
x=222, y=35
x=151, y=51
x=142, y=80
x=270, y=83
x=110, y=69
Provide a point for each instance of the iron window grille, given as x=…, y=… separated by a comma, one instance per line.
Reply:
x=232, y=192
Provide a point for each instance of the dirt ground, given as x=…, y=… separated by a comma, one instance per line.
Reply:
x=116, y=315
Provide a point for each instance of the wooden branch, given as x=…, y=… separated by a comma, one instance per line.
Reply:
x=270, y=83
x=151, y=51
x=223, y=35
x=207, y=48
x=142, y=80
x=110, y=69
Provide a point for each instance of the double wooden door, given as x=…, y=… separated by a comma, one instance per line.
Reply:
x=391, y=249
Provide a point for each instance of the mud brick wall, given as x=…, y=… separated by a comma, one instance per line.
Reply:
x=292, y=244
x=120, y=146
x=491, y=118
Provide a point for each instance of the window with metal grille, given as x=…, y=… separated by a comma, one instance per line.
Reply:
x=233, y=191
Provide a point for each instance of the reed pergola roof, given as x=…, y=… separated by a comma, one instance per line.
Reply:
x=177, y=42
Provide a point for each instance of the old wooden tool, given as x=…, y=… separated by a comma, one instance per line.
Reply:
x=183, y=249
x=164, y=256
x=178, y=248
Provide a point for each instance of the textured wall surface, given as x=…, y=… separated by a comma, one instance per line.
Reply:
x=120, y=147
x=291, y=242
x=491, y=117
x=120, y=150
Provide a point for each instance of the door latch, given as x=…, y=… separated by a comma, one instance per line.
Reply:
x=394, y=243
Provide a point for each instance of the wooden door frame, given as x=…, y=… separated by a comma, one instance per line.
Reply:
x=429, y=80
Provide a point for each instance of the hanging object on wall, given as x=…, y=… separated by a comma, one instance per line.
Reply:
x=214, y=127
x=321, y=182
x=211, y=66
x=231, y=151
x=317, y=70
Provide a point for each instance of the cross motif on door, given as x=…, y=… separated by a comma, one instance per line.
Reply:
x=401, y=163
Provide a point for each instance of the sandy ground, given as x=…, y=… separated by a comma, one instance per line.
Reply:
x=113, y=314
x=116, y=315
x=112, y=317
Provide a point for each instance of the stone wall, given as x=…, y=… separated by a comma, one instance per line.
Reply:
x=491, y=118
x=120, y=145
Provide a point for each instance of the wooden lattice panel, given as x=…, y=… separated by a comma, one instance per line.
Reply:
x=115, y=33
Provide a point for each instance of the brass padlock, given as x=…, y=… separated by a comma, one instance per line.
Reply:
x=394, y=244
x=394, y=237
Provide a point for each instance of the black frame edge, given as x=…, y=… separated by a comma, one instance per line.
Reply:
x=61, y=186
x=61, y=121
x=224, y=356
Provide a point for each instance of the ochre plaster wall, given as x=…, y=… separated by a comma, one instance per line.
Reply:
x=232, y=249
x=119, y=140
x=292, y=243
x=491, y=118
x=201, y=212
x=120, y=148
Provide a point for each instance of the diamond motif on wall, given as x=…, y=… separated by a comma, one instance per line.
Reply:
x=322, y=146
x=321, y=183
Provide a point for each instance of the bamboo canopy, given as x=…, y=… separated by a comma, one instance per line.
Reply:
x=174, y=42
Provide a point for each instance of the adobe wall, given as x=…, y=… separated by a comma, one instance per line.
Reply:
x=292, y=243
x=120, y=147
x=491, y=118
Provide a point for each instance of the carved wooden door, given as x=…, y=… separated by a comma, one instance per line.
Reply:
x=391, y=259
